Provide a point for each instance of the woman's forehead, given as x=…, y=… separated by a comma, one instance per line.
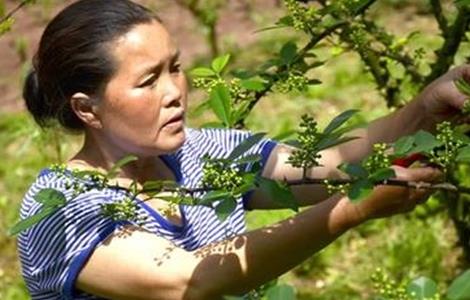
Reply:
x=144, y=42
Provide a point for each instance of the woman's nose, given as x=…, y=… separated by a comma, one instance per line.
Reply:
x=172, y=92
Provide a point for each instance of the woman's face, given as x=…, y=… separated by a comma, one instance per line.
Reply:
x=142, y=110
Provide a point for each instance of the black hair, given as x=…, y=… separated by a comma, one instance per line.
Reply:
x=73, y=56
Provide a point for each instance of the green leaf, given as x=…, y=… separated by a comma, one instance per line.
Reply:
x=246, y=145
x=382, y=174
x=153, y=186
x=253, y=85
x=422, y=288
x=288, y=52
x=250, y=158
x=212, y=196
x=281, y=292
x=286, y=21
x=464, y=155
x=219, y=63
x=293, y=143
x=203, y=72
x=50, y=197
x=33, y=220
x=332, y=141
x=119, y=164
x=459, y=289
x=279, y=193
x=462, y=3
x=85, y=173
x=225, y=208
x=360, y=190
x=220, y=102
x=424, y=142
x=249, y=180
x=403, y=145
x=339, y=120
x=354, y=170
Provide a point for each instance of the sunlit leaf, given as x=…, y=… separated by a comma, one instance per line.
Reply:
x=203, y=72
x=225, y=208
x=339, y=120
x=460, y=287
x=220, y=102
x=50, y=197
x=333, y=141
x=246, y=145
x=253, y=85
x=119, y=164
x=213, y=196
x=219, y=63
x=422, y=288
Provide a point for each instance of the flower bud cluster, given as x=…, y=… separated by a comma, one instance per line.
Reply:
x=237, y=92
x=446, y=135
x=77, y=182
x=219, y=176
x=298, y=13
x=125, y=210
x=207, y=83
x=379, y=159
x=336, y=188
x=387, y=287
x=294, y=82
x=306, y=156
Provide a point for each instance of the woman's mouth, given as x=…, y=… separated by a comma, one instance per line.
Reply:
x=175, y=122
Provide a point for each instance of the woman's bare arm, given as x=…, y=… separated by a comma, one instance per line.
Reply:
x=140, y=265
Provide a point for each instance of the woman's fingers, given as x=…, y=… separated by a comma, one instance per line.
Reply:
x=426, y=174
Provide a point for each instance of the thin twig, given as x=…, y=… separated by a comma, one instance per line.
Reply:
x=14, y=10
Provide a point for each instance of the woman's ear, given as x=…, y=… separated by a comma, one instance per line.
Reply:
x=86, y=109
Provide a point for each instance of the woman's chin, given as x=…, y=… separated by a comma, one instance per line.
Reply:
x=172, y=142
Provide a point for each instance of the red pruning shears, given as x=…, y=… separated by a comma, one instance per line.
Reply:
x=408, y=160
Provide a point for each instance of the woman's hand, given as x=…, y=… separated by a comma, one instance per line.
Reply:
x=441, y=100
x=390, y=200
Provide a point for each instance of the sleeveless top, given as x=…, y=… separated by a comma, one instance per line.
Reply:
x=53, y=251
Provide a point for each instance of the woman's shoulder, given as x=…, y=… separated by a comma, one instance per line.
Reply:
x=60, y=185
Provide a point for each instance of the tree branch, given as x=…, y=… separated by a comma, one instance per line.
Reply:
x=451, y=44
x=436, y=8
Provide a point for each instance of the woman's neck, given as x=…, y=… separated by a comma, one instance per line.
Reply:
x=97, y=155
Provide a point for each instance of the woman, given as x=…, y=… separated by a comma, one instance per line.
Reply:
x=110, y=69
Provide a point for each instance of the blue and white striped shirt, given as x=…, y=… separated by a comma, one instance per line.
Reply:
x=53, y=252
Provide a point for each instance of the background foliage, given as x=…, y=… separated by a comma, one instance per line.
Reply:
x=419, y=244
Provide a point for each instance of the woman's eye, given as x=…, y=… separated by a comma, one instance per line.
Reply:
x=149, y=81
x=175, y=68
